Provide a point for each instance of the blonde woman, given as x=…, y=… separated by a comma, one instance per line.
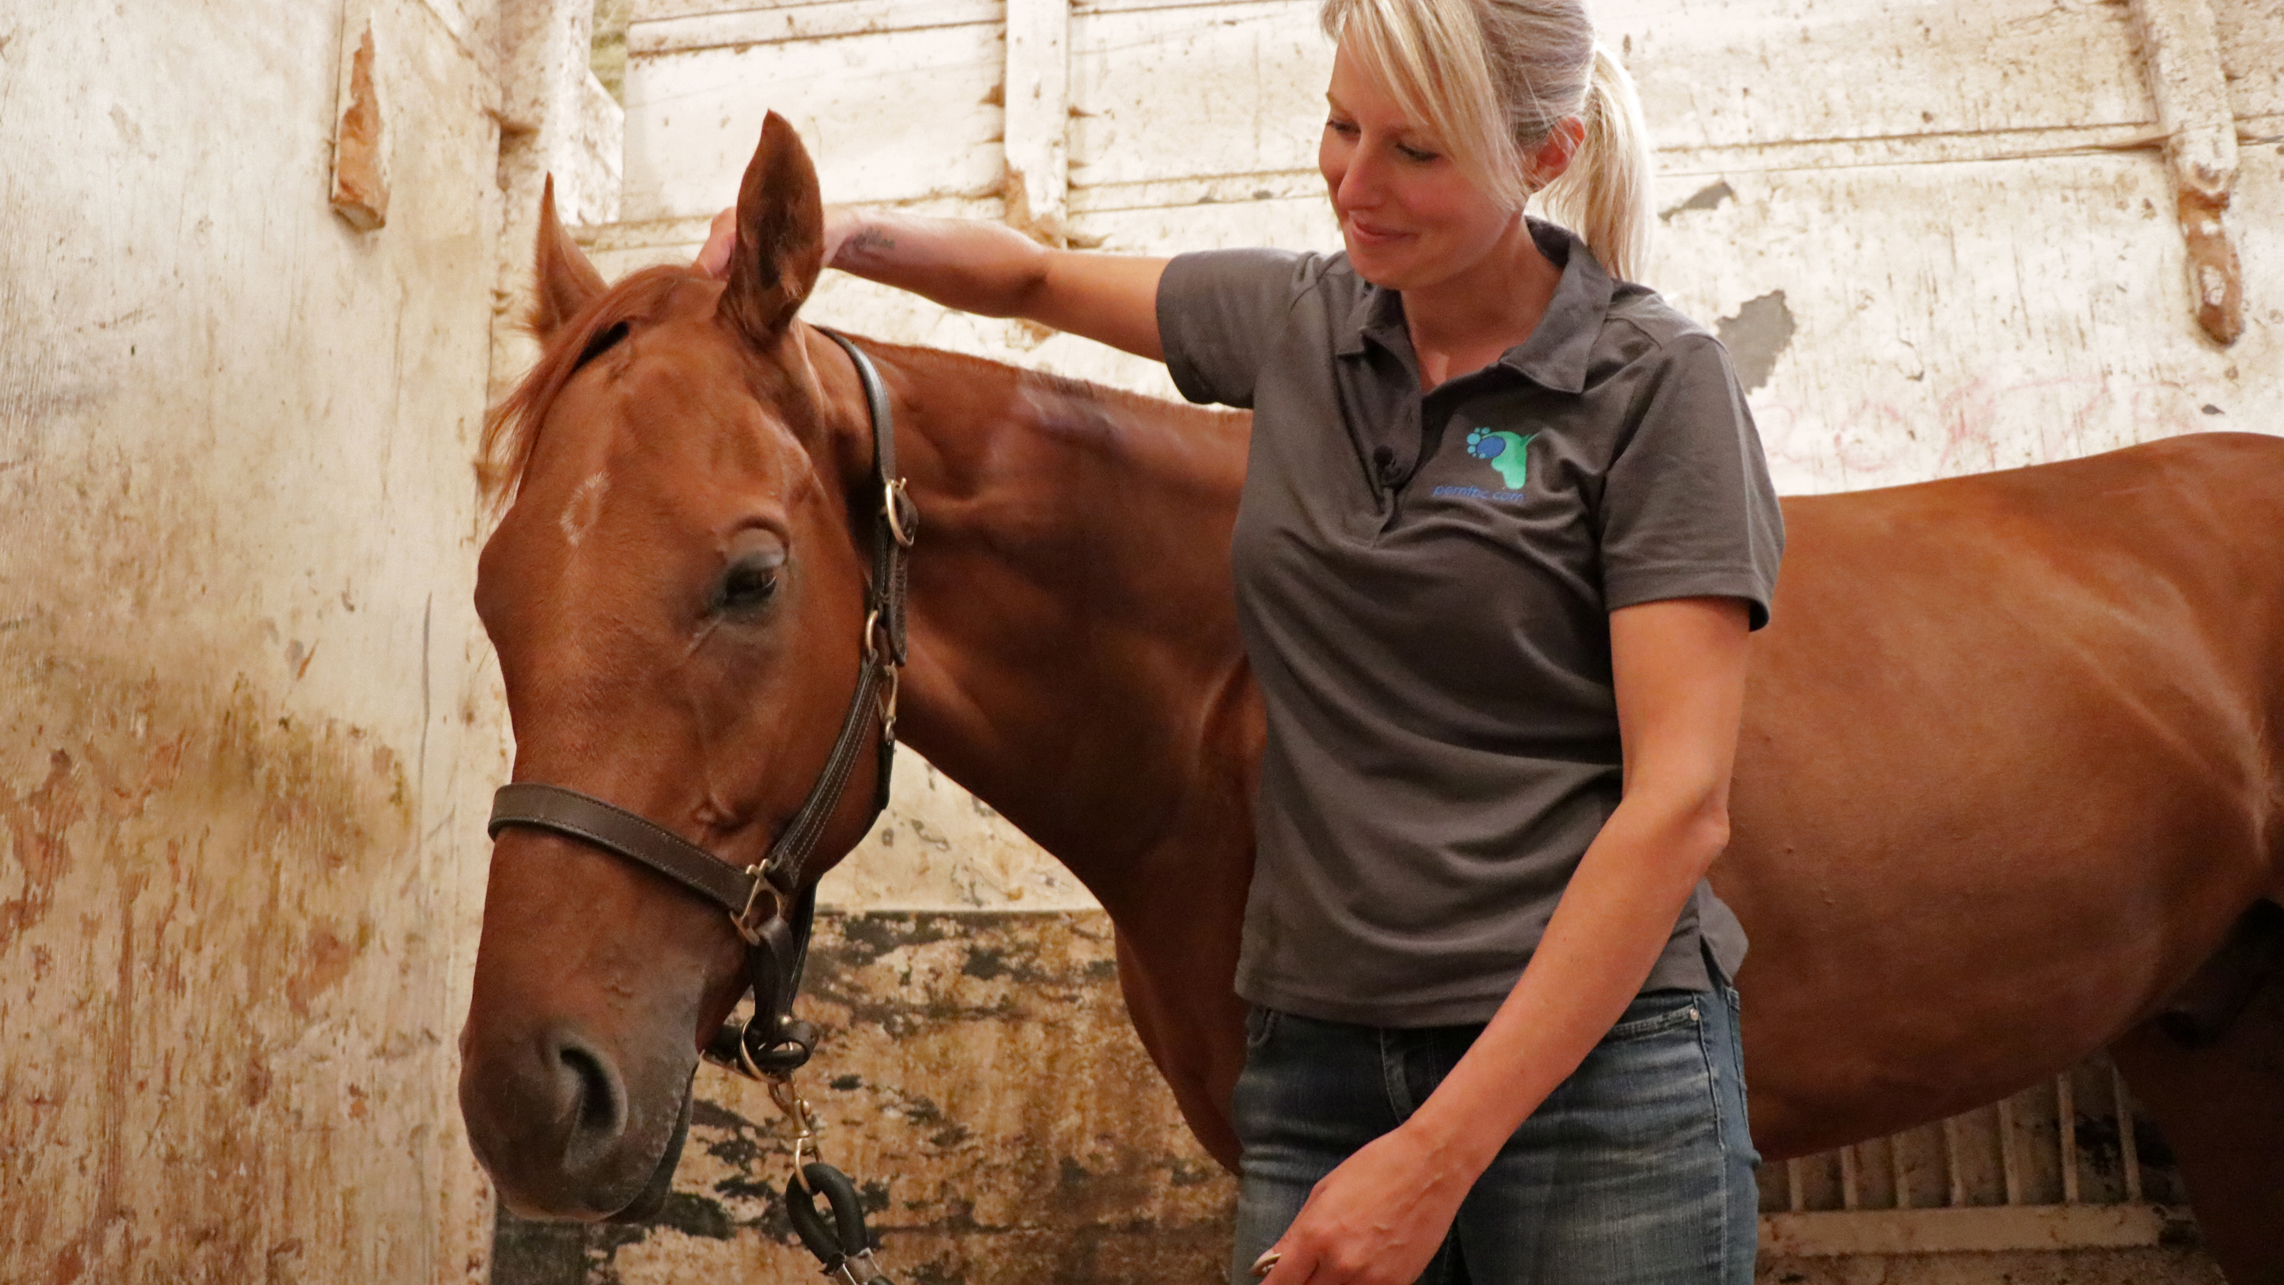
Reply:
x=1505, y=529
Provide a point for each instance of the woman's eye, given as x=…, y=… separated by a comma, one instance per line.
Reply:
x=1346, y=129
x=1415, y=154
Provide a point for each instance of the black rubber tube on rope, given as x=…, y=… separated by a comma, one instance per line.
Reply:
x=845, y=1236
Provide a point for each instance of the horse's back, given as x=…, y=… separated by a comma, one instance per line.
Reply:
x=2005, y=767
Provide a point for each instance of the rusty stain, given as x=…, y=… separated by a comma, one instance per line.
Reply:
x=37, y=826
x=324, y=962
x=257, y=1079
x=190, y=830
x=360, y=174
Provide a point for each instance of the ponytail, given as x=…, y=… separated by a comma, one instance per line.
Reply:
x=1605, y=194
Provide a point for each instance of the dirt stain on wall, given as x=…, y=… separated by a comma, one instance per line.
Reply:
x=982, y=1085
x=198, y=873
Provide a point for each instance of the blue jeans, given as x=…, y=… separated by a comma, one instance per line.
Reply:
x=1638, y=1170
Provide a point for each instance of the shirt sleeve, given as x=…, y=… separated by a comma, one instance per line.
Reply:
x=1687, y=508
x=1220, y=312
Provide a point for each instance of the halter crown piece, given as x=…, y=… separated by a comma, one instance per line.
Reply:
x=770, y=903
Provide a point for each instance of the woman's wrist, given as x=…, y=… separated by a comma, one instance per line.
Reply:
x=1454, y=1133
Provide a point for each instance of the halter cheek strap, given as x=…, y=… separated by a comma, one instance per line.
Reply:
x=771, y=903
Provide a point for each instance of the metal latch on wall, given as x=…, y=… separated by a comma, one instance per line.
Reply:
x=2181, y=53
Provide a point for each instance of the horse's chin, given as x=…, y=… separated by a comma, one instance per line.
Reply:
x=653, y=1198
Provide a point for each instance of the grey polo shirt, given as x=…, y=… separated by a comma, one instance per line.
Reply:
x=1424, y=587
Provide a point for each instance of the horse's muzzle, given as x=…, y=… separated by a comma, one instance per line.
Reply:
x=562, y=1128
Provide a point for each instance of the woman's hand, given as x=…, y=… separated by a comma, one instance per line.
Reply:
x=722, y=239
x=1379, y=1218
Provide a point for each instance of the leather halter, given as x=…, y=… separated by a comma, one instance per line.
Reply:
x=770, y=903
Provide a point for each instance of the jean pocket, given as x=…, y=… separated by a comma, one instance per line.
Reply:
x=1260, y=1024
x=1657, y=1013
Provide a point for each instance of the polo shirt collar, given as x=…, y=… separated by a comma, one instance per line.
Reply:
x=1555, y=356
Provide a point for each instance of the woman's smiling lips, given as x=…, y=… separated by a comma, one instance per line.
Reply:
x=1367, y=234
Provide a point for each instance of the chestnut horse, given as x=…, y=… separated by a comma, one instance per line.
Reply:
x=2003, y=794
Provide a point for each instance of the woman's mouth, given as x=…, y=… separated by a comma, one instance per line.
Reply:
x=1367, y=234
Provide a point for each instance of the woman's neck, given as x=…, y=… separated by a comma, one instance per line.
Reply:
x=1463, y=322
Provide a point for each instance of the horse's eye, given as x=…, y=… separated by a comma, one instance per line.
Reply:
x=750, y=579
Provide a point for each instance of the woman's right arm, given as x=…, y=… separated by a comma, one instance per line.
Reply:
x=990, y=268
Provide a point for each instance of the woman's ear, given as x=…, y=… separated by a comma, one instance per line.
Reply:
x=1553, y=156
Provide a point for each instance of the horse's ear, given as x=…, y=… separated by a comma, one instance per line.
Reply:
x=565, y=281
x=781, y=236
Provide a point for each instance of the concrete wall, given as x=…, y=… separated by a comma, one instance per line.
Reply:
x=247, y=720
x=1938, y=239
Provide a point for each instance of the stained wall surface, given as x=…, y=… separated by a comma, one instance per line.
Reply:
x=1937, y=239
x=247, y=722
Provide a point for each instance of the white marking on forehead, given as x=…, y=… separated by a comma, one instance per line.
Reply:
x=586, y=506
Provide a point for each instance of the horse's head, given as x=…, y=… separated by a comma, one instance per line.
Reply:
x=676, y=595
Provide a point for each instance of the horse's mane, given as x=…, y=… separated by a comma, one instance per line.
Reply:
x=511, y=429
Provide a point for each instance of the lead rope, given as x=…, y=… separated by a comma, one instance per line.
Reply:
x=843, y=1245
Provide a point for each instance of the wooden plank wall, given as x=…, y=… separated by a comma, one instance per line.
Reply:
x=1938, y=239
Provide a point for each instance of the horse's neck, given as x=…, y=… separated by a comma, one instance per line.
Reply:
x=1074, y=654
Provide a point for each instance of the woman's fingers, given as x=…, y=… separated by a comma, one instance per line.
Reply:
x=839, y=222
x=722, y=239
x=721, y=243
x=1281, y=1266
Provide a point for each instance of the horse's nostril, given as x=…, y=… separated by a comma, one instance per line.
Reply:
x=593, y=1091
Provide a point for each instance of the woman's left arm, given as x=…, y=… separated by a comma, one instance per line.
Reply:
x=1679, y=670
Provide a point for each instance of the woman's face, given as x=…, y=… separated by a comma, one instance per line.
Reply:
x=1409, y=217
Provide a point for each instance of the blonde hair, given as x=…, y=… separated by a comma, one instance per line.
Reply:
x=1490, y=79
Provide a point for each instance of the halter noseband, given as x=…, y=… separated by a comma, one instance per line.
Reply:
x=768, y=902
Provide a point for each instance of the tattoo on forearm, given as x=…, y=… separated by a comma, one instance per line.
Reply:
x=868, y=241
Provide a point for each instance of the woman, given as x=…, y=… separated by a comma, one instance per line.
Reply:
x=1505, y=529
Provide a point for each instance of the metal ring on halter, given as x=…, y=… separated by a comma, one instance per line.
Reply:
x=896, y=502
x=872, y=638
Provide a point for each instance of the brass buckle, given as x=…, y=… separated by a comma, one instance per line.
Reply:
x=745, y=921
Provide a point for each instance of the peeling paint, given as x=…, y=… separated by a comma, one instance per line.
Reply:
x=1756, y=336
x=1705, y=198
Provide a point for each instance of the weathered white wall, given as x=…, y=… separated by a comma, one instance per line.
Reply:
x=247, y=722
x=1938, y=239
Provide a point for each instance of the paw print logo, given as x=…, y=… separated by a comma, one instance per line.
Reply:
x=1507, y=452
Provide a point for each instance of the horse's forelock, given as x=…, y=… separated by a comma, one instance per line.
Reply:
x=511, y=429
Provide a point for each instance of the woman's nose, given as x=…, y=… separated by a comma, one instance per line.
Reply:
x=1359, y=180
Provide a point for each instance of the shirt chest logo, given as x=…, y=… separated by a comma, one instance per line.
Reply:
x=1508, y=455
